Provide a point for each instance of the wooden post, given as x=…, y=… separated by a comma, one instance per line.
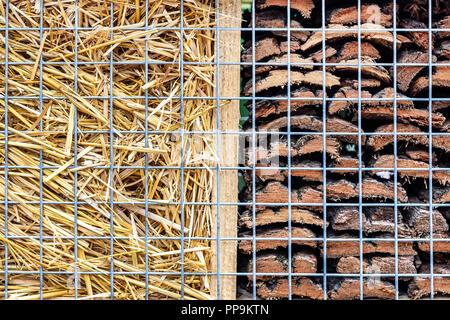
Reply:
x=229, y=86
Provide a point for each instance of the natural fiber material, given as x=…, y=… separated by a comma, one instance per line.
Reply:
x=91, y=158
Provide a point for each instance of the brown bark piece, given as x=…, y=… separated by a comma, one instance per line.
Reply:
x=381, y=37
x=377, y=72
x=350, y=51
x=279, y=78
x=304, y=146
x=337, y=249
x=312, y=123
x=419, y=154
x=266, y=108
x=276, y=19
x=346, y=93
x=295, y=59
x=280, y=215
x=278, y=263
x=414, y=116
x=417, y=37
x=345, y=218
x=440, y=79
x=279, y=289
x=246, y=246
x=421, y=286
x=444, y=50
x=387, y=94
x=371, y=189
x=307, y=175
x=316, y=78
x=318, y=56
x=305, y=122
x=349, y=289
x=374, y=189
x=275, y=78
x=406, y=74
x=387, y=161
x=303, y=6
x=374, y=219
x=345, y=162
x=443, y=24
x=349, y=15
x=379, y=265
x=438, y=246
x=275, y=192
x=378, y=142
x=419, y=220
x=365, y=83
x=263, y=48
x=311, y=144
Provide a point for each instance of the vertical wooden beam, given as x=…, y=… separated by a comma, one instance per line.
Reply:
x=229, y=86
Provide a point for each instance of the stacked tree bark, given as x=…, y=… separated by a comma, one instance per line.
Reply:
x=376, y=217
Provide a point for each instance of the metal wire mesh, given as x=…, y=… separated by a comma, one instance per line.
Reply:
x=254, y=135
x=326, y=168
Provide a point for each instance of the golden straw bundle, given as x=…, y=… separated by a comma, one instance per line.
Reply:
x=73, y=132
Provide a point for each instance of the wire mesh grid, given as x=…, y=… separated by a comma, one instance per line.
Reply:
x=325, y=239
x=253, y=134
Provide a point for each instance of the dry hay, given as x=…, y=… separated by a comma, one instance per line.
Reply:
x=46, y=133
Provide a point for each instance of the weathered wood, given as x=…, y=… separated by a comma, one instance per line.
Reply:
x=406, y=74
x=337, y=106
x=381, y=37
x=443, y=24
x=378, y=142
x=414, y=116
x=419, y=220
x=266, y=108
x=388, y=93
x=374, y=189
x=266, y=48
x=387, y=161
x=419, y=38
x=318, y=56
x=421, y=286
x=275, y=192
x=364, y=83
x=303, y=6
x=277, y=19
x=295, y=59
x=280, y=215
x=279, y=78
x=246, y=246
x=229, y=83
x=337, y=249
x=443, y=51
x=368, y=13
x=301, y=262
x=349, y=289
x=278, y=288
x=379, y=265
x=438, y=246
x=311, y=144
x=374, y=220
x=440, y=79
x=313, y=123
x=377, y=72
x=303, y=146
x=420, y=154
x=268, y=174
x=350, y=51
